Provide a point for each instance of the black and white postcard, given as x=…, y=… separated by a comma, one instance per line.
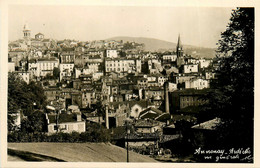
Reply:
x=128, y=84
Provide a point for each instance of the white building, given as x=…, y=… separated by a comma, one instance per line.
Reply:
x=111, y=54
x=67, y=123
x=161, y=80
x=210, y=75
x=197, y=84
x=172, y=87
x=123, y=65
x=25, y=76
x=190, y=68
x=154, y=66
x=42, y=67
x=11, y=66
x=66, y=69
x=204, y=63
x=169, y=58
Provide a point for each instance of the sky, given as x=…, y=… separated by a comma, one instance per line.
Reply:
x=198, y=26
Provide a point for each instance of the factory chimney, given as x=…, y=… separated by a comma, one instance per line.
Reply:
x=166, y=97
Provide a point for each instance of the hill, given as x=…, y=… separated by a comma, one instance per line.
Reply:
x=152, y=44
x=73, y=152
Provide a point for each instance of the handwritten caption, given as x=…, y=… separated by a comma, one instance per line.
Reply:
x=221, y=155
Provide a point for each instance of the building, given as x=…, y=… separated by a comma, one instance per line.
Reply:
x=197, y=84
x=39, y=36
x=190, y=68
x=150, y=113
x=111, y=54
x=147, y=126
x=24, y=75
x=67, y=57
x=66, y=123
x=181, y=99
x=66, y=70
x=204, y=63
x=11, y=66
x=26, y=32
x=123, y=65
x=44, y=66
x=169, y=58
x=179, y=50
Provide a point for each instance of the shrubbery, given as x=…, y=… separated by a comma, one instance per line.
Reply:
x=58, y=137
x=94, y=133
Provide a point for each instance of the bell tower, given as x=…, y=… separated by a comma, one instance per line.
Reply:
x=26, y=32
x=179, y=50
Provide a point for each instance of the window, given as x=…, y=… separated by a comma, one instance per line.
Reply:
x=55, y=127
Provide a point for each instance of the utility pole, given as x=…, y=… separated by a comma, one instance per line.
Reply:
x=127, y=138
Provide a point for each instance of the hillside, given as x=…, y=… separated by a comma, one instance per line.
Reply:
x=152, y=44
x=73, y=152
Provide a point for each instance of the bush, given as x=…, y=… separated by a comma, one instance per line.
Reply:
x=93, y=135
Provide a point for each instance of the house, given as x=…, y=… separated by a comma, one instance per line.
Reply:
x=169, y=58
x=150, y=113
x=161, y=80
x=183, y=99
x=154, y=66
x=210, y=75
x=111, y=54
x=67, y=57
x=147, y=126
x=190, y=68
x=197, y=84
x=122, y=65
x=153, y=92
x=24, y=75
x=44, y=66
x=136, y=107
x=39, y=36
x=66, y=123
x=11, y=66
x=52, y=93
x=117, y=114
x=66, y=70
x=204, y=63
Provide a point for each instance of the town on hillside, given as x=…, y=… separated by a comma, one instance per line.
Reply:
x=149, y=101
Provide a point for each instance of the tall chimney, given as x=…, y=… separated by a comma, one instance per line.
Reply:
x=107, y=121
x=166, y=97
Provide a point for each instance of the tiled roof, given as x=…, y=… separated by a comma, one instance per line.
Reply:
x=38, y=34
x=63, y=118
x=146, y=123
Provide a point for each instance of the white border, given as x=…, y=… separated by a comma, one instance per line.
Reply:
x=174, y=3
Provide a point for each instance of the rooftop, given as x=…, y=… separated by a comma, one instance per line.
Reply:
x=208, y=125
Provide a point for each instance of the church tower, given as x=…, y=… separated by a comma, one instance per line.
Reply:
x=179, y=50
x=26, y=32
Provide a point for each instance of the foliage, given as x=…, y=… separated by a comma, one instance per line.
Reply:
x=23, y=97
x=35, y=122
x=94, y=133
x=56, y=73
x=128, y=45
x=233, y=96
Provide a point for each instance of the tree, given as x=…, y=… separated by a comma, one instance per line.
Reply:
x=56, y=73
x=232, y=98
x=23, y=97
x=17, y=98
x=34, y=123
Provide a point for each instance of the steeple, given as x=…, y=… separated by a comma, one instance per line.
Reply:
x=179, y=50
x=26, y=32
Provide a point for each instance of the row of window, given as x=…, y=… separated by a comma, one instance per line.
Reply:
x=114, y=69
x=191, y=104
x=191, y=99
